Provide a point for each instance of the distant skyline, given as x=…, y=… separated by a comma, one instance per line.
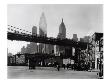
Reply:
x=80, y=19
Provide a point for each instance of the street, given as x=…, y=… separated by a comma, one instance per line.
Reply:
x=22, y=72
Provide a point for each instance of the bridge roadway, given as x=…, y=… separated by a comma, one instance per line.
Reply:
x=46, y=40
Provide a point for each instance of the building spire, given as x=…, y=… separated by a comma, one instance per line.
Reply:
x=62, y=19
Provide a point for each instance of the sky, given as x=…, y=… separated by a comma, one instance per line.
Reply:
x=80, y=19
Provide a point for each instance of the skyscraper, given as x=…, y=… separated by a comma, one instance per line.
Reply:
x=61, y=35
x=86, y=38
x=62, y=30
x=34, y=45
x=34, y=30
x=75, y=37
x=43, y=32
x=81, y=39
x=42, y=25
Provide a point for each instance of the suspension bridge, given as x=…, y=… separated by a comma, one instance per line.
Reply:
x=18, y=34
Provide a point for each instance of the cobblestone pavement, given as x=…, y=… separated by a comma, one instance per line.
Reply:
x=22, y=72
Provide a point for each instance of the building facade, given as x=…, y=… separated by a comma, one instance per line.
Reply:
x=96, y=49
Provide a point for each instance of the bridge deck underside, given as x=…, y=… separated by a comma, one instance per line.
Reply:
x=46, y=40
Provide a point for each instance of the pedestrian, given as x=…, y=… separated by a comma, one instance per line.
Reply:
x=64, y=66
x=58, y=67
x=30, y=63
x=72, y=66
x=67, y=66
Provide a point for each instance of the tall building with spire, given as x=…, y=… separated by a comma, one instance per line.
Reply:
x=62, y=30
x=61, y=35
x=42, y=25
x=62, y=50
x=43, y=32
